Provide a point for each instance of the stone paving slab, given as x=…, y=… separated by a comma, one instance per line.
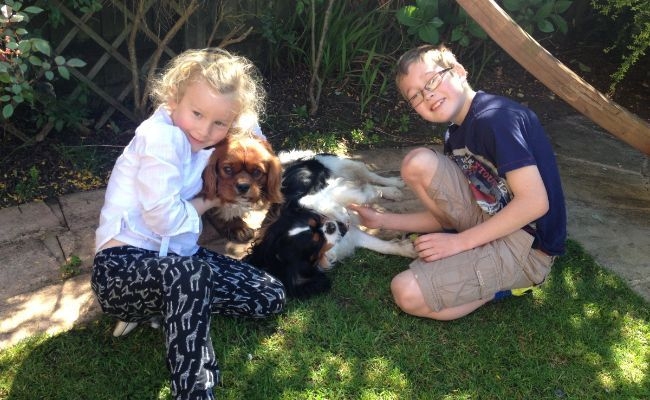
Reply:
x=26, y=266
x=82, y=209
x=28, y=219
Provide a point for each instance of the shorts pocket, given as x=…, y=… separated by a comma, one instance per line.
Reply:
x=487, y=275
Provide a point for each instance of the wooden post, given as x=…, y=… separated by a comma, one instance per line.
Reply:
x=556, y=76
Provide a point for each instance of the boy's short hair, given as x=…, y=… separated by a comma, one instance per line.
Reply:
x=438, y=55
x=226, y=73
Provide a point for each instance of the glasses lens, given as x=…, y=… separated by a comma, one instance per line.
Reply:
x=416, y=100
x=434, y=82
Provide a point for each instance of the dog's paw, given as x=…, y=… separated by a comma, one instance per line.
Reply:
x=391, y=193
x=405, y=248
x=241, y=234
x=327, y=262
x=395, y=182
x=235, y=230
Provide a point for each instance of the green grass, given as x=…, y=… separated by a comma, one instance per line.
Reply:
x=582, y=335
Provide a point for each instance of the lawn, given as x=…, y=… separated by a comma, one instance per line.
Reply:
x=582, y=335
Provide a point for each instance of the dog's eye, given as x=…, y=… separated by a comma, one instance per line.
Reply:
x=256, y=173
x=227, y=170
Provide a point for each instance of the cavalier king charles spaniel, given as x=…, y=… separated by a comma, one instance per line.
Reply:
x=305, y=236
x=245, y=174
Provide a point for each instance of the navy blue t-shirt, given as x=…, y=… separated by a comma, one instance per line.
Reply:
x=499, y=135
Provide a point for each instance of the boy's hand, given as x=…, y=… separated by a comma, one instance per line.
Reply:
x=368, y=216
x=435, y=246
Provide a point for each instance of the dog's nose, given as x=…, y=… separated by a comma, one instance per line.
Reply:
x=330, y=227
x=242, y=188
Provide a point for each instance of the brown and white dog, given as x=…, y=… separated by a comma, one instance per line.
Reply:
x=245, y=174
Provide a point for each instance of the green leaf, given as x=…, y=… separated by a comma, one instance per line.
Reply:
x=49, y=75
x=35, y=61
x=59, y=60
x=75, y=63
x=426, y=3
x=63, y=71
x=560, y=23
x=25, y=47
x=41, y=45
x=429, y=34
x=19, y=31
x=544, y=11
x=7, y=111
x=512, y=5
x=457, y=33
x=33, y=10
x=17, y=18
x=545, y=26
x=407, y=16
x=428, y=9
x=562, y=5
x=476, y=31
x=437, y=22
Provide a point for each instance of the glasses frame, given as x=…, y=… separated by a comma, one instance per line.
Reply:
x=429, y=86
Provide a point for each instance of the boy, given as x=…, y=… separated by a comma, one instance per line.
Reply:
x=494, y=216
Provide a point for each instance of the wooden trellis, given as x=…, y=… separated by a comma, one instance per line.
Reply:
x=112, y=53
x=127, y=36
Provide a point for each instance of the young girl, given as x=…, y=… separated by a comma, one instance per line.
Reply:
x=495, y=217
x=148, y=264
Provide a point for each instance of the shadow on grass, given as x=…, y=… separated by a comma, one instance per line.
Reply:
x=583, y=334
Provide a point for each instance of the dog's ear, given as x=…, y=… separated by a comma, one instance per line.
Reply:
x=274, y=179
x=210, y=174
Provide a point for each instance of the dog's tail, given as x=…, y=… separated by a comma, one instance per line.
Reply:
x=287, y=157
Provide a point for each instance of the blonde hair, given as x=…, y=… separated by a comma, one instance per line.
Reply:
x=226, y=73
x=427, y=53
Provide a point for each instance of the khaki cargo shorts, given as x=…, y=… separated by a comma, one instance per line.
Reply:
x=507, y=263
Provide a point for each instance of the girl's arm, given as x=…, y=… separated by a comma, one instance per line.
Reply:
x=202, y=205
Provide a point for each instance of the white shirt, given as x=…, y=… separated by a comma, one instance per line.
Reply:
x=147, y=198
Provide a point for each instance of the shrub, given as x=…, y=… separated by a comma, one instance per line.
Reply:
x=27, y=65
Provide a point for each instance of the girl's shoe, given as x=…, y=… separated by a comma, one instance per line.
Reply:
x=123, y=328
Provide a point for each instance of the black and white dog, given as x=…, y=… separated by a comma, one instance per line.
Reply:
x=313, y=230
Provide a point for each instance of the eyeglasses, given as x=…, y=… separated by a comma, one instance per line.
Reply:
x=430, y=87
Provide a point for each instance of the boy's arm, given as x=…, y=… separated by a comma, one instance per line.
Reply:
x=414, y=222
x=529, y=202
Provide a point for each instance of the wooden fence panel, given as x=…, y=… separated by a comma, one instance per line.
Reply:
x=101, y=39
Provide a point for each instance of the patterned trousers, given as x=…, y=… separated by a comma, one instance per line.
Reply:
x=136, y=285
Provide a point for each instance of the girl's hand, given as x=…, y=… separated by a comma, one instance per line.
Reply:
x=202, y=205
x=435, y=246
